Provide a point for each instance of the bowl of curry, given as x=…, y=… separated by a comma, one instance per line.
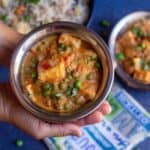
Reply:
x=61, y=71
x=130, y=45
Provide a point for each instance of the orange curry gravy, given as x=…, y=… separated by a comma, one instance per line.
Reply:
x=61, y=73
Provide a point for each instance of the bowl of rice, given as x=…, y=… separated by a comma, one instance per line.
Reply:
x=25, y=15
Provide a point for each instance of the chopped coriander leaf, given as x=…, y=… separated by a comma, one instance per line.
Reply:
x=4, y=18
x=104, y=23
x=137, y=31
x=27, y=18
x=19, y=143
x=62, y=47
x=47, y=86
x=77, y=84
x=120, y=56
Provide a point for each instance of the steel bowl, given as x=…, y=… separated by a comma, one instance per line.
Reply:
x=55, y=28
x=117, y=31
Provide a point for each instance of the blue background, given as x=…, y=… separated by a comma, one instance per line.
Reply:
x=112, y=10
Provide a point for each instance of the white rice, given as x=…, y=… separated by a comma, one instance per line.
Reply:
x=44, y=12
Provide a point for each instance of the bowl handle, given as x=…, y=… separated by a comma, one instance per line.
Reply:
x=8, y=41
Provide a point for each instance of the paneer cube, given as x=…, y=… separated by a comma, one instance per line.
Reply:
x=88, y=91
x=22, y=27
x=137, y=63
x=142, y=75
x=29, y=89
x=52, y=74
x=128, y=39
x=69, y=40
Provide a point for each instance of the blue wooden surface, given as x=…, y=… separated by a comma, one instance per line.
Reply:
x=112, y=10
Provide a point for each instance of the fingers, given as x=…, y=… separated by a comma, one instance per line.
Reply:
x=91, y=119
x=49, y=130
x=105, y=108
x=97, y=116
x=39, y=129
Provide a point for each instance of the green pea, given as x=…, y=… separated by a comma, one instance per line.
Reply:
x=104, y=23
x=27, y=18
x=19, y=143
x=120, y=56
x=47, y=86
x=4, y=18
x=62, y=47
x=98, y=65
x=141, y=47
x=137, y=31
x=30, y=1
x=34, y=75
x=78, y=84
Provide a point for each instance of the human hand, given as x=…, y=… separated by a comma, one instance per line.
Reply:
x=12, y=112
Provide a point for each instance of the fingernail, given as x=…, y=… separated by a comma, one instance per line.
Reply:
x=109, y=109
x=77, y=132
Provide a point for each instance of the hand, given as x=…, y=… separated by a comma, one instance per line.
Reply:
x=11, y=111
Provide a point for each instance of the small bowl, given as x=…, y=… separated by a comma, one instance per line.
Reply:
x=118, y=30
x=54, y=28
